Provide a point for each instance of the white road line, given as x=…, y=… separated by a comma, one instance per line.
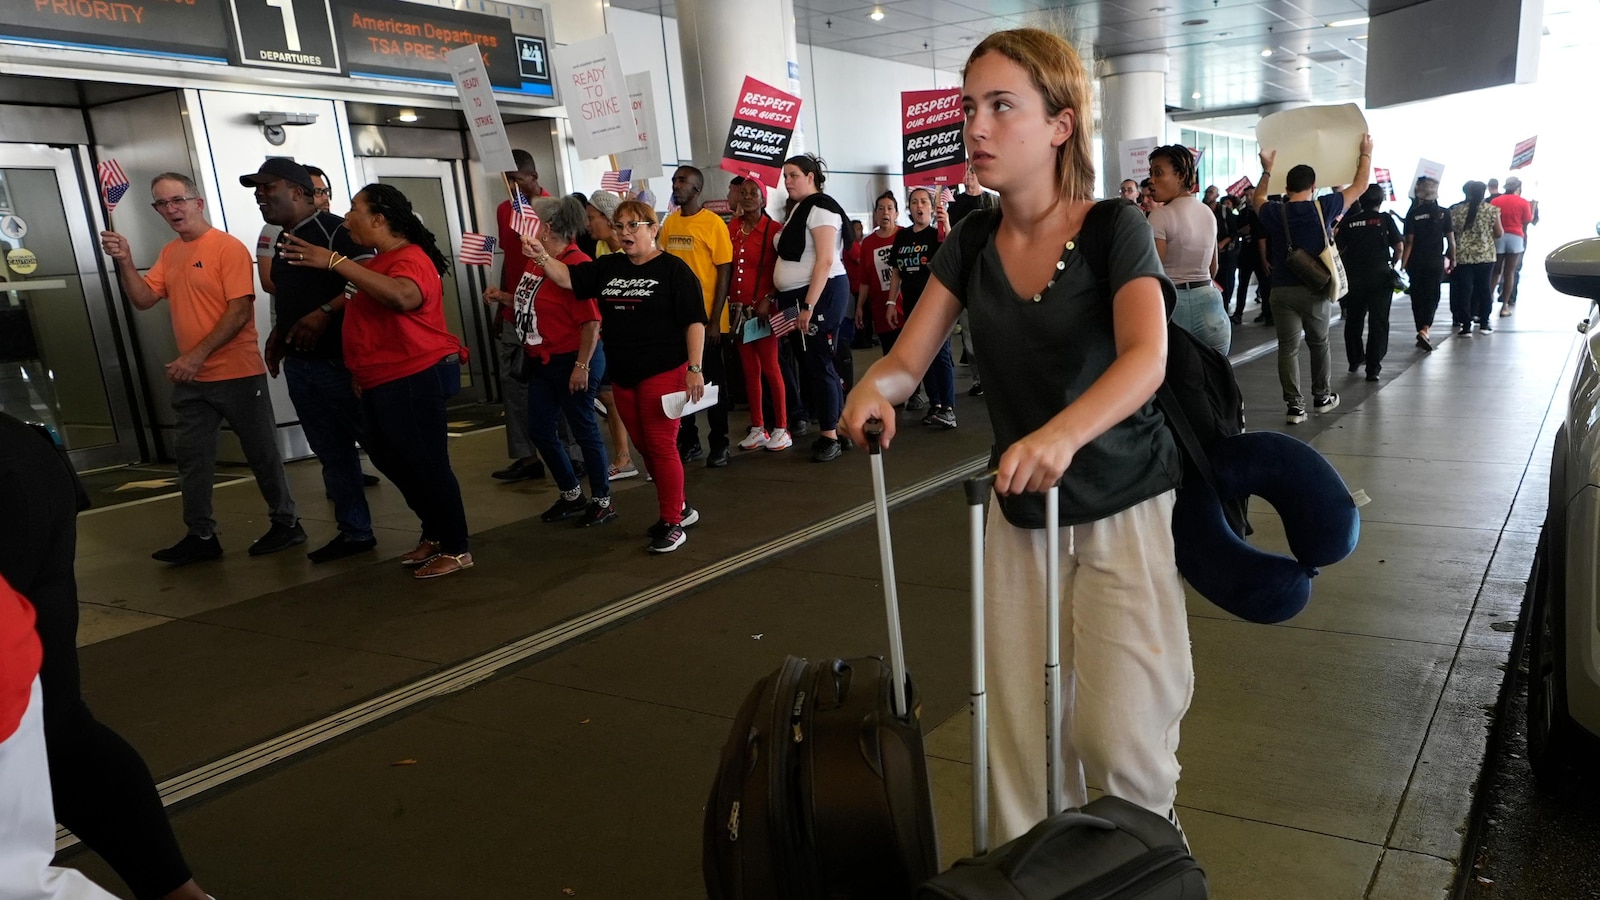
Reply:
x=480, y=668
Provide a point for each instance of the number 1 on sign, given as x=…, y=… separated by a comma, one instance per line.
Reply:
x=291, y=31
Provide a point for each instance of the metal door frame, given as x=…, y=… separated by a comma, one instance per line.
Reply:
x=106, y=323
x=470, y=285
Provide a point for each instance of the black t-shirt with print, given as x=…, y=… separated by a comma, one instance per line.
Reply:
x=1426, y=224
x=1366, y=238
x=644, y=310
x=913, y=259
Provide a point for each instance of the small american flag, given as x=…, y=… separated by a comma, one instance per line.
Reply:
x=946, y=196
x=785, y=320
x=113, y=182
x=524, y=220
x=477, y=249
x=616, y=181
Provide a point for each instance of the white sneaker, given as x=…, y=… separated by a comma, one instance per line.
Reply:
x=756, y=438
x=779, y=440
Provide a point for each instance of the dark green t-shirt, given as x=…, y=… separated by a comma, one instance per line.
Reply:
x=1040, y=357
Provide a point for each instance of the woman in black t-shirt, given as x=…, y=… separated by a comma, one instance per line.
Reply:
x=653, y=321
x=912, y=258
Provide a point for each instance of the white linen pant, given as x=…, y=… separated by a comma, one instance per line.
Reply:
x=1127, y=675
x=28, y=823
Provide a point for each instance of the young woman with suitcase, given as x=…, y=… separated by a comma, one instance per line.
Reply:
x=1075, y=364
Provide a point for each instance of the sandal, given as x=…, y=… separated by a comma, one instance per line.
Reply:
x=421, y=554
x=444, y=564
x=1506, y=308
x=617, y=473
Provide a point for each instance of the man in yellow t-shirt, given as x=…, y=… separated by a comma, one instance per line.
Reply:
x=208, y=278
x=699, y=237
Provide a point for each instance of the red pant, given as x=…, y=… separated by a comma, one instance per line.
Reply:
x=656, y=435
x=760, y=359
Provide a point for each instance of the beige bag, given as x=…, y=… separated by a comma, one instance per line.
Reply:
x=1338, y=281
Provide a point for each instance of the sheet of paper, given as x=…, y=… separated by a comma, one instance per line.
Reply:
x=755, y=328
x=1326, y=138
x=677, y=404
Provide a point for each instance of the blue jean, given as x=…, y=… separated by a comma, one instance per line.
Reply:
x=548, y=397
x=407, y=438
x=1202, y=313
x=330, y=415
x=815, y=351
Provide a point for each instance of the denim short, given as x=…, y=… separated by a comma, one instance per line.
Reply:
x=1509, y=243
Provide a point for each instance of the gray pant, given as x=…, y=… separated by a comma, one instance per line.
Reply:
x=201, y=408
x=514, y=394
x=1296, y=308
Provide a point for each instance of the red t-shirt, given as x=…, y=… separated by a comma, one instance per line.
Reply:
x=381, y=345
x=1515, y=213
x=852, y=267
x=753, y=261
x=548, y=316
x=19, y=658
x=877, y=264
x=514, y=264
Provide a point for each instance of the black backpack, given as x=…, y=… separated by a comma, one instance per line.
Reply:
x=1199, y=398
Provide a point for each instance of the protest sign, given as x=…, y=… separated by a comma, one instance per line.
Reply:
x=1326, y=138
x=592, y=86
x=1426, y=168
x=477, y=103
x=758, y=140
x=1135, y=157
x=1522, y=155
x=932, y=125
x=645, y=161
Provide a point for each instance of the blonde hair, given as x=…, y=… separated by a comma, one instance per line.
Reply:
x=638, y=210
x=1058, y=74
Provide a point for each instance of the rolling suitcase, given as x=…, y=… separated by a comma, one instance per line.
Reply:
x=1108, y=850
x=822, y=790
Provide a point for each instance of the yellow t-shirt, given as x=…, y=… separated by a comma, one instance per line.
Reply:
x=702, y=241
x=198, y=278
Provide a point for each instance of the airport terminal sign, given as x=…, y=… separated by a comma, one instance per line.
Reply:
x=403, y=40
x=285, y=34
x=193, y=28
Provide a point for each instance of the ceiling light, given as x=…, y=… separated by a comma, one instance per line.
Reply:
x=1196, y=21
x=1346, y=23
x=877, y=15
x=1158, y=9
x=1195, y=96
x=407, y=115
x=1266, y=53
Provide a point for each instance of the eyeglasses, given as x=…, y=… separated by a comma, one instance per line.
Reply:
x=160, y=205
x=630, y=226
x=322, y=192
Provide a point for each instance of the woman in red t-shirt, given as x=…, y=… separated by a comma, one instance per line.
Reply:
x=406, y=365
x=750, y=293
x=560, y=334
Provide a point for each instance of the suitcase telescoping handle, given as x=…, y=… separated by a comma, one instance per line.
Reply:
x=978, y=489
x=891, y=593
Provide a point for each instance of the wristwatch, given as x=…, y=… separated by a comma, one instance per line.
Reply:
x=694, y=369
x=804, y=306
x=327, y=308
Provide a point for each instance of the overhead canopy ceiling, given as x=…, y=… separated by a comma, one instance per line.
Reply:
x=1224, y=56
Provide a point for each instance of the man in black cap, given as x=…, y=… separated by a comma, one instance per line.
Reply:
x=306, y=343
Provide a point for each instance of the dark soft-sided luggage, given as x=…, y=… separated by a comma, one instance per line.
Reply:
x=822, y=791
x=1108, y=850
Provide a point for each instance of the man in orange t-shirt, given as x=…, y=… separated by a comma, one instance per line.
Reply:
x=208, y=279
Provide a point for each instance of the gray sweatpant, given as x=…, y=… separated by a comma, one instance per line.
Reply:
x=201, y=408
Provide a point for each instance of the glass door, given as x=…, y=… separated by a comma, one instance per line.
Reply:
x=60, y=363
x=435, y=193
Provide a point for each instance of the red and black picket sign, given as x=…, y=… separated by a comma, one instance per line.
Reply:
x=763, y=124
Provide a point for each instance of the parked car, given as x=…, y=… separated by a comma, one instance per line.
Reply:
x=1564, y=623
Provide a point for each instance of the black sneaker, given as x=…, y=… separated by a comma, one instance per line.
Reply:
x=944, y=417
x=190, y=549
x=826, y=449
x=691, y=453
x=800, y=428
x=597, y=514
x=341, y=547
x=1372, y=376
x=976, y=390
x=1296, y=414
x=719, y=457
x=278, y=537
x=691, y=516
x=668, y=540
x=519, y=471
x=1485, y=328
x=369, y=480
x=1466, y=331
x=564, y=509
x=1325, y=403
x=916, y=401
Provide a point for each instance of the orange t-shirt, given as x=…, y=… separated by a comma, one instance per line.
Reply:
x=198, y=278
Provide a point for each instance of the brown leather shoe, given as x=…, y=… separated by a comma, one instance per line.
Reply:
x=443, y=564
x=425, y=550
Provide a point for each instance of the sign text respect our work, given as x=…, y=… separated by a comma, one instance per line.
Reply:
x=766, y=109
x=749, y=137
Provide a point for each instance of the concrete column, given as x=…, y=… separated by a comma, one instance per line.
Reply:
x=721, y=43
x=1133, y=104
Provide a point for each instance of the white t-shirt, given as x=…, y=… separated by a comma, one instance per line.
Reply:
x=1190, y=230
x=789, y=276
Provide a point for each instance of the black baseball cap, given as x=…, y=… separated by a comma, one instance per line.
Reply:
x=276, y=168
